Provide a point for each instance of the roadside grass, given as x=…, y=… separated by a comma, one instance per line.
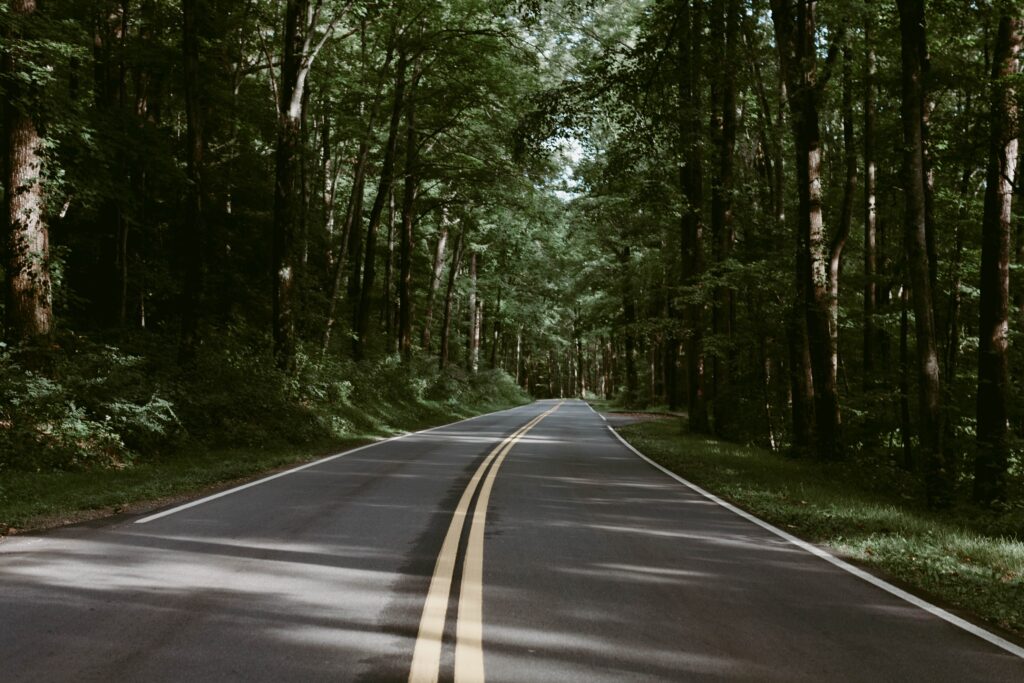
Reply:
x=962, y=558
x=242, y=443
x=614, y=405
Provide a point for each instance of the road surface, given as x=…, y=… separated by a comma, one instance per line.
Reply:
x=525, y=545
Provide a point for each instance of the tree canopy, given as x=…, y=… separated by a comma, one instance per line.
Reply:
x=792, y=223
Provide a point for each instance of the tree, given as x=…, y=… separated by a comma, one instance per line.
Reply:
x=870, y=200
x=691, y=180
x=990, y=465
x=29, y=296
x=796, y=35
x=193, y=238
x=913, y=49
x=384, y=190
x=723, y=132
x=301, y=46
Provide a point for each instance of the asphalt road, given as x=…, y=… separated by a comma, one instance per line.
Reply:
x=527, y=549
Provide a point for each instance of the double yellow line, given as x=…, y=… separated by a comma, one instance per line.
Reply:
x=469, y=653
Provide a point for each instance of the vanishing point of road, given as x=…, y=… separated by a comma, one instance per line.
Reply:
x=526, y=545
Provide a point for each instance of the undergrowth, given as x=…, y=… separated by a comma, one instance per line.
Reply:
x=103, y=425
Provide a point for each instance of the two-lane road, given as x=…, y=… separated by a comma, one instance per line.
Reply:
x=529, y=544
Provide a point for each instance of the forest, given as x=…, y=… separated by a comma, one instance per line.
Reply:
x=792, y=223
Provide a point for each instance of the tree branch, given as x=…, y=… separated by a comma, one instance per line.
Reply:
x=833, y=53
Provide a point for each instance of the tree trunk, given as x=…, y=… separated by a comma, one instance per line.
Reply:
x=29, y=294
x=286, y=186
x=952, y=335
x=723, y=129
x=939, y=473
x=801, y=381
x=473, y=338
x=353, y=214
x=496, y=339
x=362, y=310
x=581, y=384
x=906, y=440
x=629, y=327
x=389, y=266
x=194, y=233
x=992, y=460
x=435, y=280
x=519, y=355
x=692, y=227
x=330, y=182
x=870, y=204
x=109, y=72
x=796, y=38
x=449, y=295
x=305, y=192
x=765, y=365
x=835, y=263
x=407, y=240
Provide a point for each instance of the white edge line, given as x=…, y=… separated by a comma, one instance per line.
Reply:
x=293, y=470
x=832, y=559
x=595, y=412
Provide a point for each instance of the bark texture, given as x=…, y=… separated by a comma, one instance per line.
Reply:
x=993, y=368
x=870, y=204
x=287, y=190
x=796, y=35
x=29, y=292
x=723, y=130
x=692, y=227
x=407, y=238
x=435, y=281
x=938, y=465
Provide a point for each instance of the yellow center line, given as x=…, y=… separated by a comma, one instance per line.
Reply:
x=469, y=650
x=426, y=658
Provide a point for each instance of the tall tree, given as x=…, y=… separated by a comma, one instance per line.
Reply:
x=435, y=281
x=629, y=320
x=870, y=198
x=407, y=238
x=449, y=298
x=29, y=295
x=842, y=234
x=992, y=460
x=796, y=35
x=913, y=50
x=723, y=130
x=301, y=46
x=475, y=317
x=691, y=178
x=361, y=322
x=193, y=236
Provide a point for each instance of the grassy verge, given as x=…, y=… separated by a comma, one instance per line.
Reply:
x=224, y=436
x=961, y=558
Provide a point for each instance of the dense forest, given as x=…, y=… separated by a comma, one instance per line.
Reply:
x=791, y=221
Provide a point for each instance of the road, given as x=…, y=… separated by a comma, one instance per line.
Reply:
x=529, y=544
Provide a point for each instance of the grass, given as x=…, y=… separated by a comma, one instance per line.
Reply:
x=962, y=558
x=46, y=497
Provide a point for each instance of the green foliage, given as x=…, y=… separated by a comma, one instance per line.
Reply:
x=94, y=414
x=111, y=408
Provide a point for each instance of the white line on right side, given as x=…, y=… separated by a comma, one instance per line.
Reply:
x=935, y=610
x=597, y=413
